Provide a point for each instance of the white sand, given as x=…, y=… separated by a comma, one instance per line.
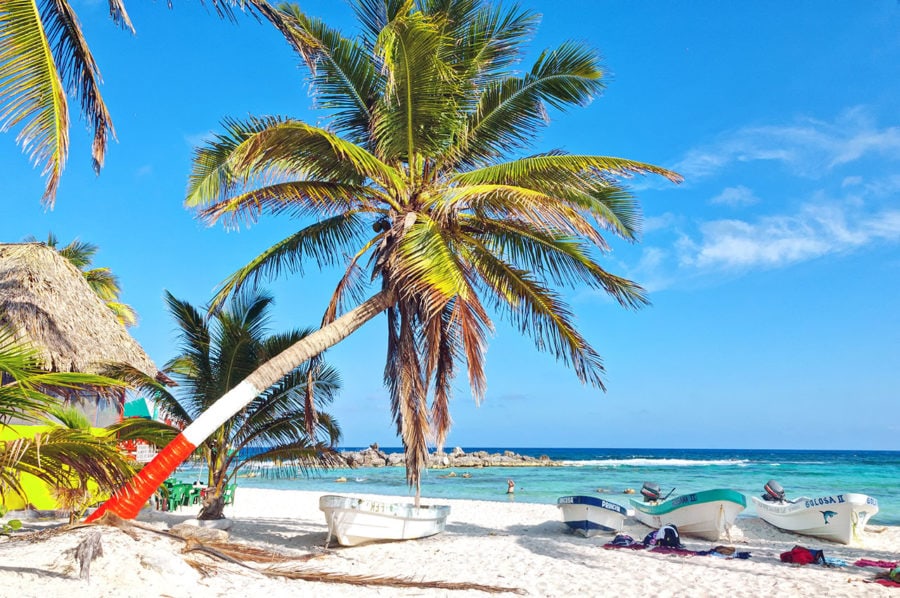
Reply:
x=493, y=543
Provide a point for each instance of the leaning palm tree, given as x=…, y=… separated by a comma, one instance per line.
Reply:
x=411, y=188
x=44, y=60
x=101, y=280
x=217, y=352
x=66, y=457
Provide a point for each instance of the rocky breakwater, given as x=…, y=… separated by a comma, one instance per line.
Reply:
x=375, y=457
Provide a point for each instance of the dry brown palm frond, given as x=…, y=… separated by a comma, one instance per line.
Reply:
x=390, y=582
x=258, y=555
x=285, y=566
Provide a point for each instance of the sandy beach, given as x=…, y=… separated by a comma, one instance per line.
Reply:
x=518, y=546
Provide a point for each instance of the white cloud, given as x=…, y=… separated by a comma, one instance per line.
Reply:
x=661, y=222
x=776, y=241
x=808, y=147
x=735, y=197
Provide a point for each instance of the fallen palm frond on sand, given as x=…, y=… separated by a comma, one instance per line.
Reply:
x=277, y=565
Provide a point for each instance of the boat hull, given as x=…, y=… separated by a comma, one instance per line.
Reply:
x=354, y=521
x=588, y=515
x=709, y=514
x=840, y=518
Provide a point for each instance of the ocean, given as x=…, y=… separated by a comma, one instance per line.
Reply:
x=607, y=473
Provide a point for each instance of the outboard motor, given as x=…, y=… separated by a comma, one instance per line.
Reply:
x=650, y=492
x=774, y=491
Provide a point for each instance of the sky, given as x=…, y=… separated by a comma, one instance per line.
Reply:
x=773, y=270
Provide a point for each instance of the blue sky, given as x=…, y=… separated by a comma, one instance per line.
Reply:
x=773, y=269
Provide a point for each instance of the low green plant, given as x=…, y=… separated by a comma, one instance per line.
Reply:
x=8, y=527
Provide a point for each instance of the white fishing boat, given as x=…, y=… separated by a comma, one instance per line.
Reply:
x=840, y=518
x=709, y=514
x=356, y=521
x=589, y=515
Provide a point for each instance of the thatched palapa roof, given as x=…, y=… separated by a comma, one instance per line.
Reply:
x=47, y=302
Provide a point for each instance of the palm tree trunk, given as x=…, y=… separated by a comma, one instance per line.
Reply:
x=129, y=500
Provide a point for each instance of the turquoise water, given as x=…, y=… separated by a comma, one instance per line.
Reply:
x=585, y=471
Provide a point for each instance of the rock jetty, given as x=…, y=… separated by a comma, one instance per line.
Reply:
x=375, y=457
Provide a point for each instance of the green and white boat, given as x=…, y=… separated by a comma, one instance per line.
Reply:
x=708, y=514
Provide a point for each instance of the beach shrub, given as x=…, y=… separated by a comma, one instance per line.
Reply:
x=10, y=525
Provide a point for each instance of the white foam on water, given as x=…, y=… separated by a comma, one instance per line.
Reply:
x=642, y=462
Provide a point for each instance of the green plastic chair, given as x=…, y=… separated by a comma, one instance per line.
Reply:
x=178, y=496
x=228, y=495
x=193, y=497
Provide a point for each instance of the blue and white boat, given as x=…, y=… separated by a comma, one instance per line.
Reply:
x=589, y=515
x=708, y=514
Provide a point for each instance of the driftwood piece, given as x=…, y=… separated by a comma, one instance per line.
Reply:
x=87, y=550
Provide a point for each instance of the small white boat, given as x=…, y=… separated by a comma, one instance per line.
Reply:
x=356, y=521
x=588, y=515
x=840, y=518
x=709, y=514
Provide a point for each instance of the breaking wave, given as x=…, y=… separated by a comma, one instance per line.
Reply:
x=645, y=462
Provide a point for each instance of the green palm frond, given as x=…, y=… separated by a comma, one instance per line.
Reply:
x=325, y=242
x=64, y=457
x=548, y=167
x=149, y=386
x=375, y=15
x=155, y=433
x=31, y=91
x=296, y=199
x=427, y=267
x=537, y=208
x=511, y=110
x=342, y=74
x=80, y=72
x=124, y=313
x=417, y=111
x=68, y=417
x=563, y=259
x=486, y=39
x=539, y=312
x=270, y=149
x=79, y=253
x=352, y=284
x=103, y=282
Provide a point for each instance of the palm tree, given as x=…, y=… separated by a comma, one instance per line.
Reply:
x=67, y=457
x=411, y=182
x=103, y=282
x=44, y=59
x=218, y=351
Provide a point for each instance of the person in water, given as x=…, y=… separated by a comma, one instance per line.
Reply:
x=510, y=486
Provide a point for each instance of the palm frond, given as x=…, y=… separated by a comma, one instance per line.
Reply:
x=296, y=199
x=538, y=312
x=417, y=111
x=540, y=209
x=563, y=259
x=550, y=166
x=155, y=433
x=343, y=76
x=323, y=241
x=426, y=266
x=31, y=91
x=80, y=73
x=67, y=458
x=272, y=149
